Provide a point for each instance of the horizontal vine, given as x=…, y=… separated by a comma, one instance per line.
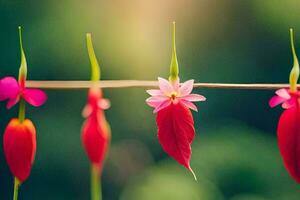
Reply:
x=146, y=84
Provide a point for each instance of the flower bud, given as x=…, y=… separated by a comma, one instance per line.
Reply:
x=95, y=131
x=19, y=144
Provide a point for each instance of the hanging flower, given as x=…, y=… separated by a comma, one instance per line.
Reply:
x=288, y=129
x=95, y=131
x=172, y=103
x=19, y=139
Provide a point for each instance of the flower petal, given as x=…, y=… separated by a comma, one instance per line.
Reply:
x=186, y=88
x=176, y=132
x=156, y=101
x=289, y=103
x=193, y=97
x=163, y=105
x=103, y=104
x=165, y=86
x=283, y=93
x=13, y=101
x=276, y=100
x=176, y=84
x=288, y=141
x=87, y=110
x=35, y=97
x=95, y=138
x=154, y=92
x=9, y=88
x=189, y=104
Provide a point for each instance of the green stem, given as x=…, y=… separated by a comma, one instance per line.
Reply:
x=95, y=74
x=23, y=66
x=174, y=69
x=22, y=110
x=16, y=188
x=96, y=192
x=294, y=75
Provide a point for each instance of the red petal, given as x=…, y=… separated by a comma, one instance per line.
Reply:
x=19, y=144
x=289, y=140
x=176, y=132
x=96, y=137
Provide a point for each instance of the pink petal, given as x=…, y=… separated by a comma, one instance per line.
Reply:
x=104, y=104
x=176, y=84
x=193, y=97
x=186, y=88
x=283, y=93
x=154, y=92
x=289, y=103
x=9, y=88
x=35, y=97
x=156, y=101
x=276, y=100
x=87, y=110
x=163, y=105
x=189, y=105
x=13, y=101
x=165, y=86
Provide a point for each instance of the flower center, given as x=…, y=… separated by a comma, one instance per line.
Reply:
x=173, y=95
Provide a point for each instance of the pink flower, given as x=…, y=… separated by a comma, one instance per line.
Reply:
x=13, y=91
x=285, y=97
x=173, y=92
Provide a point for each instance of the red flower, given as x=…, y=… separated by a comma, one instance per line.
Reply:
x=19, y=140
x=96, y=131
x=19, y=144
x=172, y=103
x=288, y=129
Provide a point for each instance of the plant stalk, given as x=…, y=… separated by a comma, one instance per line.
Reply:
x=16, y=188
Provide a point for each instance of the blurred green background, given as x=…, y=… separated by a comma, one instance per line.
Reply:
x=235, y=154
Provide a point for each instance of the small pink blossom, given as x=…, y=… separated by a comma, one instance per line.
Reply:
x=285, y=97
x=173, y=92
x=13, y=91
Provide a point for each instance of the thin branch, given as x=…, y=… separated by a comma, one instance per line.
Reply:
x=145, y=84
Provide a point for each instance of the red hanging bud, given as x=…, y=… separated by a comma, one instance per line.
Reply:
x=289, y=140
x=96, y=131
x=19, y=144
